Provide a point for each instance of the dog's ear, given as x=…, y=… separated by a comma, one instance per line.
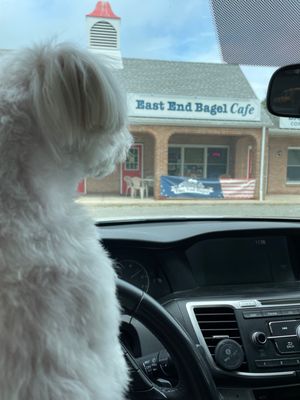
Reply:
x=74, y=96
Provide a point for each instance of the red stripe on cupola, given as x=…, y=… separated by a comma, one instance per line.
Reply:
x=103, y=10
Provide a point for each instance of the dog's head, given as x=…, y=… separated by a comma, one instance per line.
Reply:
x=75, y=104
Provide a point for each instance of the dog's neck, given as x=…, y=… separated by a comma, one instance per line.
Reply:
x=53, y=180
x=36, y=180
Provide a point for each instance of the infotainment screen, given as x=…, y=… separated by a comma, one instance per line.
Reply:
x=241, y=260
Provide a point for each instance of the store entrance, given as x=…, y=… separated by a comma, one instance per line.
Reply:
x=133, y=166
x=81, y=188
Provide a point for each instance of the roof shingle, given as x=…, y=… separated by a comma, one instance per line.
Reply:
x=184, y=79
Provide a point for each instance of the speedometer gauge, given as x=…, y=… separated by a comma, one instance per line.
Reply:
x=135, y=273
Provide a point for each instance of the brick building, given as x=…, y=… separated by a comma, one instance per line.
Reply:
x=284, y=156
x=172, y=138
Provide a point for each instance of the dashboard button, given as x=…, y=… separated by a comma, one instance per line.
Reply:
x=261, y=363
x=271, y=313
x=284, y=328
x=274, y=363
x=252, y=314
x=269, y=363
x=278, y=362
x=294, y=311
x=259, y=338
x=289, y=362
x=248, y=303
x=288, y=345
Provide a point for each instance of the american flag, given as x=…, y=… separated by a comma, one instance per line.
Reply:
x=238, y=188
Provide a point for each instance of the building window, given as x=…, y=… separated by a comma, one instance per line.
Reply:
x=175, y=161
x=293, y=165
x=132, y=160
x=198, y=161
x=193, y=165
x=217, y=159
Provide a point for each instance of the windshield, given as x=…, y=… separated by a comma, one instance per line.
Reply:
x=204, y=142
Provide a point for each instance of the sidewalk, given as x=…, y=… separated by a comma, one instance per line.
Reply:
x=119, y=201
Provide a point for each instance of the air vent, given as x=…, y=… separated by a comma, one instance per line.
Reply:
x=217, y=323
x=103, y=35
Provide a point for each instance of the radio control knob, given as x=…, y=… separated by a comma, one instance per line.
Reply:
x=298, y=332
x=260, y=338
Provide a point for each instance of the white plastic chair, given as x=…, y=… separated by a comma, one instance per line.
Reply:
x=129, y=185
x=138, y=186
x=148, y=183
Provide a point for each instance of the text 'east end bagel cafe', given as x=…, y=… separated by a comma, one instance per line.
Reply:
x=192, y=108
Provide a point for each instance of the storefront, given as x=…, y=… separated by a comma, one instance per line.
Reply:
x=194, y=120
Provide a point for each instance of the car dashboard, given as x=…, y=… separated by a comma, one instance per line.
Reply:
x=235, y=287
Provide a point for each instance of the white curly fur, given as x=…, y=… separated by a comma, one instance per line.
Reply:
x=62, y=117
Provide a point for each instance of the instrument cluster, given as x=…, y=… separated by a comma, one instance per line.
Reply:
x=141, y=268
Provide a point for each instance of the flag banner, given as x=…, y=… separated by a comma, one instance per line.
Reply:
x=238, y=188
x=183, y=187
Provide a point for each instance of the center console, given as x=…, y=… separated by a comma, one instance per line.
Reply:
x=256, y=336
x=252, y=344
x=271, y=337
x=247, y=337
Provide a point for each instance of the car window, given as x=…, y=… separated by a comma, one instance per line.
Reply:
x=204, y=142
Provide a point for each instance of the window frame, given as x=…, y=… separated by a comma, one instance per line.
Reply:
x=287, y=166
x=199, y=146
x=137, y=162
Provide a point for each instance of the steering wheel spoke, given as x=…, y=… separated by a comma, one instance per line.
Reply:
x=142, y=387
x=194, y=377
x=139, y=392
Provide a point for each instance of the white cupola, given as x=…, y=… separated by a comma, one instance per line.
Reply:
x=103, y=28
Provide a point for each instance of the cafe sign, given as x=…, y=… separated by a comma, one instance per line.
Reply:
x=289, y=123
x=197, y=108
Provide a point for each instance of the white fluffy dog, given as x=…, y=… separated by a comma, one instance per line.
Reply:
x=62, y=117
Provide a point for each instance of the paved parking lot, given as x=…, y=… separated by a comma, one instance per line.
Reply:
x=102, y=208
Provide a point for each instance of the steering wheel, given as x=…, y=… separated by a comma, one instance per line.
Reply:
x=194, y=377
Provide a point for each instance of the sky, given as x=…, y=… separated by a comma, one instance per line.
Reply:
x=157, y=29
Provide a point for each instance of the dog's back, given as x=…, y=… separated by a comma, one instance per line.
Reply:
x=59, y=315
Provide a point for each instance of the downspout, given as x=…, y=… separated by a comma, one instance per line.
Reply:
x=262, y=164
